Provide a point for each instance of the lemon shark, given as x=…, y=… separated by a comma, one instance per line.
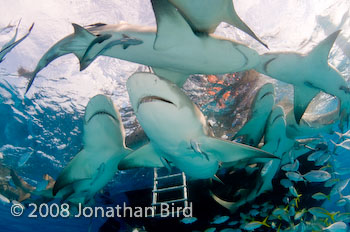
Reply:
x=253, y=131
x=276, y=142
x=13, y=43
x=206, y=15
x=96, y=164
x=309, y=74
x=76, y=43
x=178, y=131
x=179, y=52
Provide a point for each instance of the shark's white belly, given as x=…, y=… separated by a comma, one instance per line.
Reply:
x=172, y=135
x=205, y=55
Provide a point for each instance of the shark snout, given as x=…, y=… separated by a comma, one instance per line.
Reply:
x=100, y=105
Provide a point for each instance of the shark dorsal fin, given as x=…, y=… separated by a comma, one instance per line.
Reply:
x=321, y=51
x=172, y=28
x=81, y=31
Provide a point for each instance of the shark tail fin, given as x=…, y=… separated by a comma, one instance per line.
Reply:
x=233, y=19
x=321, y=51
x=76, y=43
x=231, y=206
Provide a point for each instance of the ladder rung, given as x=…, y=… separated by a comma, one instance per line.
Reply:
x=168, y=189
x=169, y=176
x=169, y=202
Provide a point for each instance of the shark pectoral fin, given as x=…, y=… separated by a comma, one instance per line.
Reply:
x=176, y=77
x=228, y=151
x=61, y=184
x=302, y=98
x=146, y=156
x=172, y=28
x=232, y=18
x=321, y=51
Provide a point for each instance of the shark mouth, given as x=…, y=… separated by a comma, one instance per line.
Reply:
x=266, y=94
x=277, y=117
x=154, y=99
x=101, y=113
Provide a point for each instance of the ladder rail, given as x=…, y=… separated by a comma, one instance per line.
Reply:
x=157, y=191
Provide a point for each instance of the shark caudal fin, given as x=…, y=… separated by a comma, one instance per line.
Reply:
x=321, y=51
x=172, y=28
x=227, y=151
x=76, y=43
x=232, y=18
x=230, y=205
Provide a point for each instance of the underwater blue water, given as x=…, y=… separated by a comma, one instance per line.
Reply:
x=40, y=133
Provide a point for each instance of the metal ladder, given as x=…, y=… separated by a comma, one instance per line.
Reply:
x=173, y=182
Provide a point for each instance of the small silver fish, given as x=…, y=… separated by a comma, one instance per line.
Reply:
x=189, y=220
x=220, y=219
x=24, y=158
x=299, y=214
x=339, y=187
x=342, y=171
x=291, y=167
x=4, y=199
x=319, y=212
x=254, y=212
x=211, y=229
x=337, y=227
x=322, y=159
x=341, y=202
x=286, y=183
x=294, y=176
x=317, y=176
x=314, y=156
x=345, y=144
x=320, y=196
x=331, y=182
x=293, y=191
